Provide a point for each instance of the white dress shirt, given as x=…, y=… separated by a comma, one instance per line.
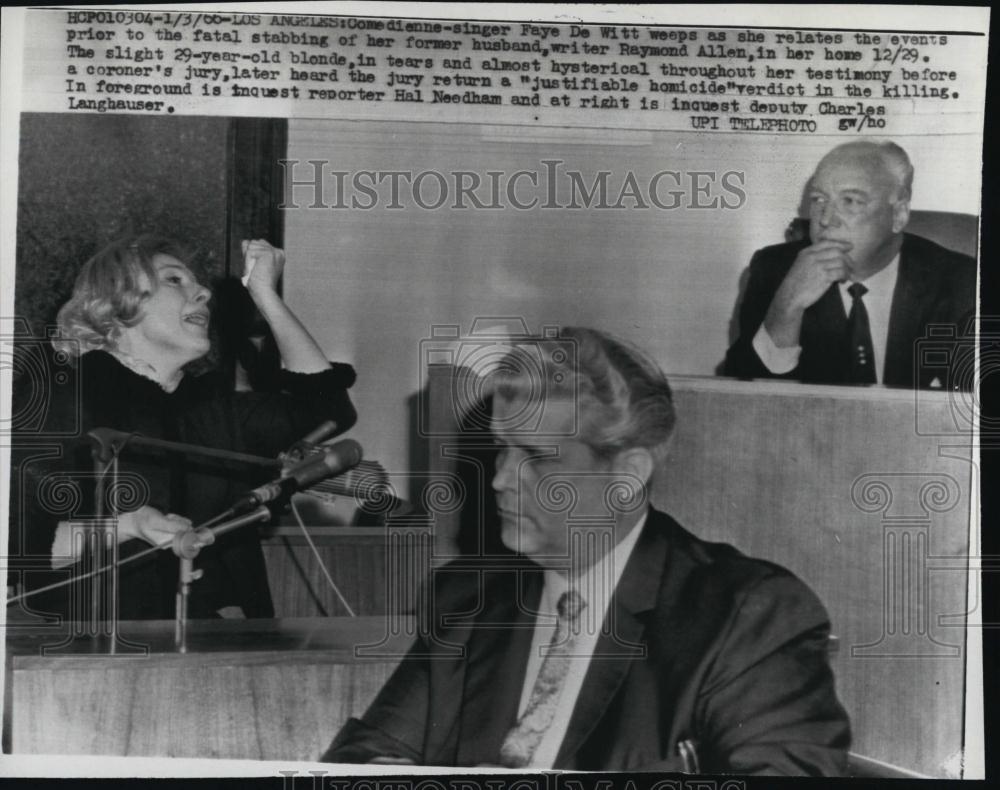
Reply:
x=596, y=585
x=878, y=303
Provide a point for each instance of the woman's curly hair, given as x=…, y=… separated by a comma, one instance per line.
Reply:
x=109, y=292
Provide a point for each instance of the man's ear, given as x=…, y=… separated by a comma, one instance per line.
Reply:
x=636, y=464
x=900, y=215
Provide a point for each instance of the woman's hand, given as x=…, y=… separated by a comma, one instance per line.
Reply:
x=147, y=523
x=263, y=265
x=150, y=525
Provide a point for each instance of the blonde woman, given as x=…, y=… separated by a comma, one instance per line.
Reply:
x=138, y=325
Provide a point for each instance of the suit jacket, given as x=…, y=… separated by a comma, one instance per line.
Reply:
x=701, y=643
x=935, y=286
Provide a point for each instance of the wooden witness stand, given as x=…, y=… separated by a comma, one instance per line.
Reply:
x=866, y=495
x=863, y=493
x=246, y=689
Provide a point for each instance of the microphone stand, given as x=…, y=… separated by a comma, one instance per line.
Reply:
x=186, y=546
x=108, y=444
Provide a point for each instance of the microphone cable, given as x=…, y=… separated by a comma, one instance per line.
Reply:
x=319, y=559
x=103, y=569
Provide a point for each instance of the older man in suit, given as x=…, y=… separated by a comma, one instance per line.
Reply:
x=851, y=305
x=616, y=640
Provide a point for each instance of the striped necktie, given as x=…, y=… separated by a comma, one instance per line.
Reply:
x=521, y=742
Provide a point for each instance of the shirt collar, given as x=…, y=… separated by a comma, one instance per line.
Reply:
x=611, y=564
x=882, y=281
x=147, y=371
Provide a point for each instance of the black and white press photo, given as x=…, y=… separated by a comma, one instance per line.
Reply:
x=501, y=391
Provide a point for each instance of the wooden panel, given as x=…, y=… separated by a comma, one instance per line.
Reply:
x=454, y=447
x=270, y=704
x=256, y=183
x=841, y=490
x=856, y=492
x=377, y=570
x=267, y=712
x=254, y=187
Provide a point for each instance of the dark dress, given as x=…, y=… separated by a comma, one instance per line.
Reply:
x=53, y=475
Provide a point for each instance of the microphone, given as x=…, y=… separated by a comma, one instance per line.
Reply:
x=334, y=460
x=307, y=444
x=324, y=430
x=366, y=482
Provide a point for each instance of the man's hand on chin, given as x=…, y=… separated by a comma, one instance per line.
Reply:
x=815, y=269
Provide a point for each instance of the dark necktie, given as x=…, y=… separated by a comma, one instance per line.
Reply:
x=520, y=743
x=860, y=337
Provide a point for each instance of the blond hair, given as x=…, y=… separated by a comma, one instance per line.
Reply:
x=109, y=292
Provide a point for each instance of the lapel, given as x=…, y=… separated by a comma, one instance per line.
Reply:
x=827, y=317
x=496, y=663
x=621, y=640
x=831, y=313
x=911, y=299
x=823, y=339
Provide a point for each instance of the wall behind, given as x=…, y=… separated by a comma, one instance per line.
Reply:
x=373, y=282
x=86, y=180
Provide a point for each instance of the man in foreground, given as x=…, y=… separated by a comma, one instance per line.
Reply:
x=617, y=640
